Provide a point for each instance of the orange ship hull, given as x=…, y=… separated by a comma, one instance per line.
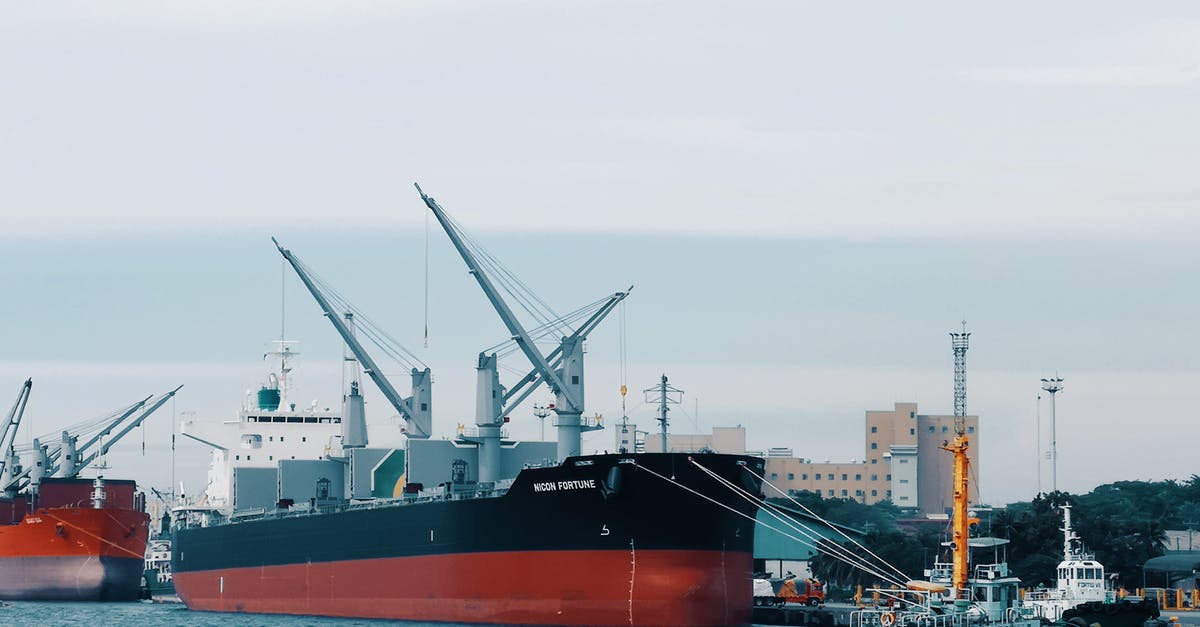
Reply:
x=74, y=553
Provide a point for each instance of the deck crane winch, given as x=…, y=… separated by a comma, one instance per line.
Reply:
x=561, y=370
x=10, y=463
x=416, y=409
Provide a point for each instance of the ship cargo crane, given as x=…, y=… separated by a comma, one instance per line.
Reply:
x=561, y=370
x=10, y=463
x=416, y=409
x=120, y=434
x=70, y=454
x=64, y=460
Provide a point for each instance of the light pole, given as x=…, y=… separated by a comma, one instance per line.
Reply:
x=1053, y=386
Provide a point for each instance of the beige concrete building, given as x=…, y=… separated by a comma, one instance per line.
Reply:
x=902, y=461
x=731, y=440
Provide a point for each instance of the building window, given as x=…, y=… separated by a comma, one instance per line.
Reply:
x=845, y=493
x=874, y=477
x=817, y=476
x=874, y=492
x=904, y=461
x=270, y=458
x=843, y=476
x=830, y=492
x=889, y=494
x=858, y=477
x=270, y=438
x=912, y=414
x=874, y=446
x=931, y=428
x=804, y=476
x=247, y=458
x=281, y=438
x=874, y=461
x=774, y=476
x=904, y=498
x=945, y=428
x=889, y=478
x=970, y=429
x=874, y=429
x=303, y=438
x=912, y=431
x=904, y=481
x=791, y=476
x=237, y=458
x=858, y=493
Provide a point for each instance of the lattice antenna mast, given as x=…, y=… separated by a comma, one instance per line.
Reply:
x=961, y=520
x=959, y=342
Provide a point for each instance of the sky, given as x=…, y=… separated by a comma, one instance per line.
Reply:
x=807, y=199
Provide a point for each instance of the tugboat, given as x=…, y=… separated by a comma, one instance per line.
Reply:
x=957, y=594
x=1082, y=594
x=156, y=577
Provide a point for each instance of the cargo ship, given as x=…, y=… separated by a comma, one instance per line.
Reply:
x=304, y=516
x=64, y=537
x=642, y=539
x=84, y=540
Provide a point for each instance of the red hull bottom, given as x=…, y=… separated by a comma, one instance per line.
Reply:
x=600, y=588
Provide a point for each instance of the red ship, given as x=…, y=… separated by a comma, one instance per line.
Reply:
x=84, y=540
x=62, y=537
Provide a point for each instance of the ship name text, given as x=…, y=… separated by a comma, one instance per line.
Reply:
x=573, y=484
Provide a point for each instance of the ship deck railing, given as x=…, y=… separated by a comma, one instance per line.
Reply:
x=260, y=513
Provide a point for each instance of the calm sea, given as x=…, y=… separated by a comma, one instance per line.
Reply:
x=20, y=613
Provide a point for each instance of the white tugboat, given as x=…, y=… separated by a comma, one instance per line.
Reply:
x=1080, y=578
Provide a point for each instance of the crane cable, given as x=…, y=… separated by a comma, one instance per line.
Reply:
x=834, y=550
x=815, y=515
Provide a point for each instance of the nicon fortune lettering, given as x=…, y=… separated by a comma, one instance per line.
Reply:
x=573, y=484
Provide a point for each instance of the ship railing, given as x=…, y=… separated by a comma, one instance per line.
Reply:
x=921, y=617
x=473, y=432
x=259, y=513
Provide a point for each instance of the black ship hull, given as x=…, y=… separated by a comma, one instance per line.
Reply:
x=647, y=539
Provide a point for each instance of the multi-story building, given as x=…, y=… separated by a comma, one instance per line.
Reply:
x=903, y=460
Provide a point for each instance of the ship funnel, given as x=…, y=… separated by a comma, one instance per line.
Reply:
x=268, y=398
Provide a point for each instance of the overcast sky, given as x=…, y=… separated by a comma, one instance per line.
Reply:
x=808, y=197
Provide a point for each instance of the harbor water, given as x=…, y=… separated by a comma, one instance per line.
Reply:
x=48, y=614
